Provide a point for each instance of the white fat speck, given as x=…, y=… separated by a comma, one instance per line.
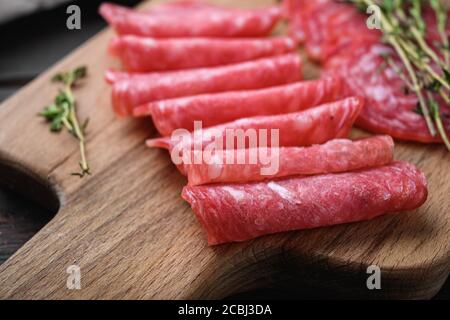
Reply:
x=379, y=92
x=236, y=194
x=239, y=23
x=290, y=42
x=215, y=167
x=281, y=191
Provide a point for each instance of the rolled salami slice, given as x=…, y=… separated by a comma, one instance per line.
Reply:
x=139, y=54
x=214, y=109
x=134, y=90
x=181, y=6
x=239, y=212
x=313, y=126
x=246, y=165
x=172, y=24
x=112, y=75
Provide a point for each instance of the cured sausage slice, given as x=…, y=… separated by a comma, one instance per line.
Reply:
x=139, y=54
x=213, y=23
x=113, y=75
x=246, y=165
x=328, y=30
x=313, y=126
x=239, y=212
x=213, y=109
x=181, y=6
x=131, y=91
x=389, y=109
x=326, y=26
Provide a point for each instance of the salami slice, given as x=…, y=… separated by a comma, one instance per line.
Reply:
x=327, y=26
x=132, y=91
x=140, y=54
x=313, y=126
x=389, y=109
x=213, y=23
x=214, y=109
x=239, y=212
x=174, y=7
x=328, y=30
x=246, y=165
x=112, y=75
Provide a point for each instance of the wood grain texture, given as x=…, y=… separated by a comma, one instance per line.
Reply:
x=133, y=236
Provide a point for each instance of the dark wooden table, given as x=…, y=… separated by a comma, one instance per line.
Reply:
x=34, y=43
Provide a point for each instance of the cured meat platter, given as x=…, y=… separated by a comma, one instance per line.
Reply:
x=134, y=237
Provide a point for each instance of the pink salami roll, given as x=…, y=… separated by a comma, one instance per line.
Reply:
x=181, y=6
x=239, y=212
x=214, y=109
x=313, y=126
x=339, y=155
x=131, y=91
x=194, y=23
x=139, y=54
x=113, y=75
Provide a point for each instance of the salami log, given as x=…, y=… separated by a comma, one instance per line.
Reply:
x=313, y=126
x=131, y=91
x=246, y=165
x=214, y=109
x=239, y=212
x=172, y=24
x=139, y=54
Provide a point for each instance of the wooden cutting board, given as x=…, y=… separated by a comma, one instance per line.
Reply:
x=133, y=237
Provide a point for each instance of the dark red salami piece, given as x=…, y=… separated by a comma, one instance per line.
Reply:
x=337, y=35
x=389, y=109
x=131, y=91
x=139, y=54
x=326, y=27
x=239, y=212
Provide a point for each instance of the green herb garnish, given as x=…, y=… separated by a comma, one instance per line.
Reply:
x=62, y=113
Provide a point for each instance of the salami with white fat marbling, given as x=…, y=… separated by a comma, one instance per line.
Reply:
x=313, y=126
x=213, y=109
x=239, y=212
x=130, y=91
x=336, y=34
x=208, y=22
x=143, y=54
x=246, y=165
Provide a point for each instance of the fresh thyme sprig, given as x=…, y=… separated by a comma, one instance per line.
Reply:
x=425, y=69
x=62, y=113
